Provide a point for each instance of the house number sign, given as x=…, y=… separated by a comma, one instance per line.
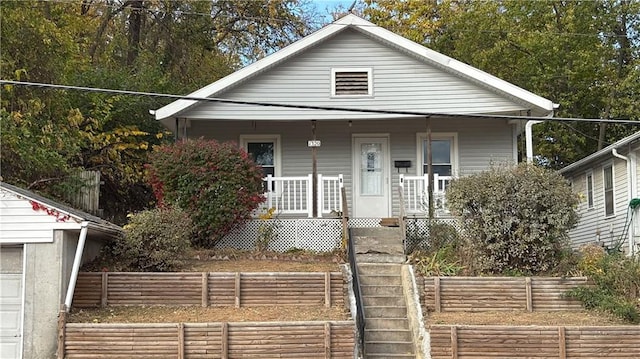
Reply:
x=313, y=143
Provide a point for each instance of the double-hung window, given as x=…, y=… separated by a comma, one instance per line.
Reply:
x=265, y=152
x=607, y=177
x=589, y=189
x=443, y=156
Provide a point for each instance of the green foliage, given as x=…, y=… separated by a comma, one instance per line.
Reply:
x=616, y=283
x=435, y=250
x=49, y=135
x=267, y=230
x=154, y=240
x=216, y=183
x=581, y=54
x=517, y=218
x=441, y=262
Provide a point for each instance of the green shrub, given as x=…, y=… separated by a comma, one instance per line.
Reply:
x=154, y=241
x=440, y=262
x=616, y=283
x=216, y=183
x=516, y=218
x=436, y=249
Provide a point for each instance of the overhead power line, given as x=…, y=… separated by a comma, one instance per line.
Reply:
x=308, y=107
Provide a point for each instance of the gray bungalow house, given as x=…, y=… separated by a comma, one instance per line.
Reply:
x=375, y=156
x=607, y=181
x=42, y=245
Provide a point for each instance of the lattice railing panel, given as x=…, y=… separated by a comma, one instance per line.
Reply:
x=418, y=230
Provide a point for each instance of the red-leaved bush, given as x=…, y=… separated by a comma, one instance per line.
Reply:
x=216, y=183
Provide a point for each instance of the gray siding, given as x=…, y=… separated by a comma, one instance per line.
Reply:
x=593, y=226
x=400, y=82
x=480, y=143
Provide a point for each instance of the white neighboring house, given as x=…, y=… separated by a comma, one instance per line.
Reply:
x=39, y=254
x=607, y=181
x=353, y=63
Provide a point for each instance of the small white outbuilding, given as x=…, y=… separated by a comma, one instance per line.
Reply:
x=42, y=245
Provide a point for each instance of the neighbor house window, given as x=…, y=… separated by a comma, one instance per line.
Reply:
x=589, y=190
x=607, y=174
x=443, y=156
x=265, y=152
x=351, y=82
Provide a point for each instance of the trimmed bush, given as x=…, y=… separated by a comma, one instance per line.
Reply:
x=516, y=218
x=217, y=184
x=154, y=240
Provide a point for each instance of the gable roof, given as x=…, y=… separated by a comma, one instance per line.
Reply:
x=78, y=216
x=602, y=153
x=444, y=62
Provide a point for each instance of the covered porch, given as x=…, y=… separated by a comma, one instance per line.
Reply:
x=294, y=196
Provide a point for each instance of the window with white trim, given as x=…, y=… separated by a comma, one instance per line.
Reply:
x=443, y=154
x=351, y=82
x=589, y=189
x=607, y=178
x=265, y=151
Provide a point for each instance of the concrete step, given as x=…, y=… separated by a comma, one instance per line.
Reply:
x=378, y=290
x=381, y=258
x=388, y=347
x=386, y=323
x=382, y=232
x=379, y=269
x=391, y=279
x=385, y=312
x=374, y=246
x=397, y=335
x=389, y=356
x=383, y=300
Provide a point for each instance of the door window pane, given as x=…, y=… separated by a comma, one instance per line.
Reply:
x=371, y=169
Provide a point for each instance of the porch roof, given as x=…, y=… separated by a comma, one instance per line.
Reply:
x=540, y=105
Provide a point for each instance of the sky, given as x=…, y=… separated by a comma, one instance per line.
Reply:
x=325, y=6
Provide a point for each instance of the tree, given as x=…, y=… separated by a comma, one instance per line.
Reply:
x=581, y=54
x=517, y=218
x=217, y=184
x=50, y=135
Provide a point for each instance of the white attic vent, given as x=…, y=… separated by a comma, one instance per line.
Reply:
x=351, y=82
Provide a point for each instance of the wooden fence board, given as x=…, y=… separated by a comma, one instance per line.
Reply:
x=500, y=293
x=485, y=341
x=220, y=289
x=207, y=340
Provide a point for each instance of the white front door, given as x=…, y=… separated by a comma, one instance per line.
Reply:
x=371, y=176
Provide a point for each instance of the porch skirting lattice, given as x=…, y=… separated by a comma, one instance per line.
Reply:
x=315, y=234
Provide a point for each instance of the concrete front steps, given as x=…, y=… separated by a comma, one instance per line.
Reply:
x=379, y=257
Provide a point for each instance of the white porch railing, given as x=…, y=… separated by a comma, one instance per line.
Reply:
x=293, y=195
x=416, y=194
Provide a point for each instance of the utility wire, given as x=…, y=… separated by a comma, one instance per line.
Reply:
x=308, y=107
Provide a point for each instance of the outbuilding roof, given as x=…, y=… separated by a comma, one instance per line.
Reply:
x=79, y=216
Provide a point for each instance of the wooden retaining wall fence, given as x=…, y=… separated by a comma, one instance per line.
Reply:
x=334, y=339
x=474, y=294
x=209, y=289
x=467, y=342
